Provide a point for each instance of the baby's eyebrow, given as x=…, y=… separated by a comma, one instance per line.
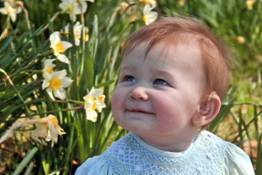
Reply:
x=127, y=68
x=162, y=72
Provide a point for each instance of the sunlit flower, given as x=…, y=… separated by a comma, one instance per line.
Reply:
x=48, y=67
x=94, y=101
x=241, y=39
x=149, y=16
x=133, y=18
x=71, y=7
x=4, y=34
x=59, y=47
x=55, y=83
x=11, y=9
x=151, y=3
x=82, y=4
x=88, y=0
x=181, y=2
x=54, y=130
x=74, y=7
x=123, y=6
x=33, y=108
x=40, y=130
x=78, y=29
x=250, y=4
x=65, y=30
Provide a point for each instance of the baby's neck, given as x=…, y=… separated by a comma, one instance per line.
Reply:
x=173, y=147
x=180, y=147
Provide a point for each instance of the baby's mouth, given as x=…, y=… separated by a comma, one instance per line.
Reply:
x=139, y=111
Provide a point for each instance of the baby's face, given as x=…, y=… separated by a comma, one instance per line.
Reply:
x=157, y=96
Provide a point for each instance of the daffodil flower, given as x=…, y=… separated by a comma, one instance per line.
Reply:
x=40, y=130
x=149, y=16
x=250, y=4
x=74, y=7
x=181, y=2
x=241, y=39
x=11, y=9
x=55, y=83
x=77, y=29
x=71, y=7
x=48, y=67
x=54, y=130
x=151, y=3
x=65, y=30
x=59, y=47
x=94, y=101
x=123, y=6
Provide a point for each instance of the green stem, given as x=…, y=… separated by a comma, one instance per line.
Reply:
x=25, y=161
x=17, y=92
x=69, y=148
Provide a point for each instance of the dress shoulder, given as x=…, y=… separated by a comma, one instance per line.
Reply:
x=238, y=161
x=94, y=166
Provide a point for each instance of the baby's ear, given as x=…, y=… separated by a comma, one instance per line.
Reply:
x=207, y=111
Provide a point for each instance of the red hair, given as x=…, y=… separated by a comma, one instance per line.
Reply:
x=174, y=29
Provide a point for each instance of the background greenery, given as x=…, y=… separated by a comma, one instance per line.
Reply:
x=96, y=62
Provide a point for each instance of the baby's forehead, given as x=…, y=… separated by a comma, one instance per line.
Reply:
x=166, y=54
x=170, y=45
x=169, y=41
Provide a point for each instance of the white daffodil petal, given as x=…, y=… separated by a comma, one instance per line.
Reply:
x=82, y=6
x=151, y=17
x=89, y=103
x=95, y=92
x=66, y=29
x=147, y=9
x=13, y=16
x=60, y=93
x=49, y=92
x=48, y=67
x=66, y=82
x=100, y=106
x=45, y=84
x=63, y=58
x=66, y=44
x=49, y=62
x=91, y=115
x=54, y=38
x=77, y=42
x=61, y=73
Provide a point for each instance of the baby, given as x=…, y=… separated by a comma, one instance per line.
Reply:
x=173, y=76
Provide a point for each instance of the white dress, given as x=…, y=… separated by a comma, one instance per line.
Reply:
x=207, y=155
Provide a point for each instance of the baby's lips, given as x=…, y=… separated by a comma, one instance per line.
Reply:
x=139, y=110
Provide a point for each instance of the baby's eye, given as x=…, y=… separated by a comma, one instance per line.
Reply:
x=128, y=78
x=161, y=82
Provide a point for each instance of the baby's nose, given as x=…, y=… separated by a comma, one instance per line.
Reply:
x=139, y=93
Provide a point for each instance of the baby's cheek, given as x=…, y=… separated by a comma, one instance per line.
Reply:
x=117, y=103
x=164, y=106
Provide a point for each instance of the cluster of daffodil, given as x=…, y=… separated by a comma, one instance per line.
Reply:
x=79, y=31
x=250, y=4
x=42, y=130
x=55, y=82
x=39, y=130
